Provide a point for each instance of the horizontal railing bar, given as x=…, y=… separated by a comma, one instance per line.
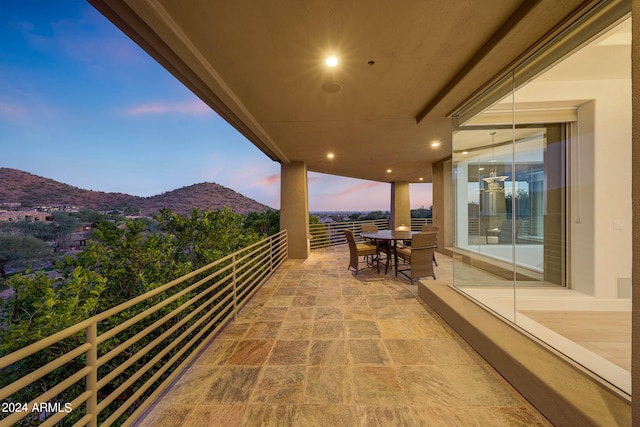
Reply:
x=247, y=271
x=142, y=352
x=114, y=352
x=41, y=372
x=46, y=396
x=143, y=370
x=84, y=421
x=154, y=378
x=52, y=420
x=124, y=325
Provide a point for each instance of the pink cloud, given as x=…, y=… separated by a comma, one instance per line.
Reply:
x=269, y=180
x=360, y=187
x=194, y=107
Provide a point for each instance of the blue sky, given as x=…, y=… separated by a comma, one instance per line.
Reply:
x=82, y=104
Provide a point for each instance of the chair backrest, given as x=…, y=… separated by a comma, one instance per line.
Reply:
x=423, y=240
x=422, y=254
x=428, y=228
x=349, y=236
x=369, y=228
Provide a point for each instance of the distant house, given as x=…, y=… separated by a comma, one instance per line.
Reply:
x=16, y=216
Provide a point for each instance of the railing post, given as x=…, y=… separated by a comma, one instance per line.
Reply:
x=235, y=290
x=271, y=255
x=92, y=377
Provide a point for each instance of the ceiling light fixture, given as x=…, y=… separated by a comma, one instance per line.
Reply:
x=493, y=181
x=331, y=61
x=330, y=156
x=435, y=144
x=389, y=171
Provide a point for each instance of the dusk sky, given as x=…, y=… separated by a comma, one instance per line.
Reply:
x=82, y=104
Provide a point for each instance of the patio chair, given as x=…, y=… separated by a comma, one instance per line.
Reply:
x=357, y=250
x=419, y=257
x=428, y=228
x=504, y=232
x=383, y=246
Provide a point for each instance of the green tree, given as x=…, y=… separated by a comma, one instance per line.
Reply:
x=421, y=212
x=19, y=249
x=124, y=261
x=265, y=223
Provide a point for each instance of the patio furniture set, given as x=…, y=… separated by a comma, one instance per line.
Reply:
x=408, y=252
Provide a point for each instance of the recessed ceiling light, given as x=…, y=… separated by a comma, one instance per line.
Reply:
x=330, y=155
x=421, y=179
x=331, y=61
x=435, y=144
x=480, y=169
x=465, y=152
x=389, y=171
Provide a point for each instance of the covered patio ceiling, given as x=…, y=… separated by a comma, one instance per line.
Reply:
x=404, y=67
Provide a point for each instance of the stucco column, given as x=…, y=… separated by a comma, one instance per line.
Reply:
x=294, y=208
x=443, y=201
x=635, y=174
x=400, y=206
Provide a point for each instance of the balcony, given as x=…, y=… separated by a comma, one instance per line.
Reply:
x=318, y=345
x=268, y=341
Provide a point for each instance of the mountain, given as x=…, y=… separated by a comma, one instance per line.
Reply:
x=30, y=190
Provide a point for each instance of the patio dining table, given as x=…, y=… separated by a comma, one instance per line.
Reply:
x=391, y=236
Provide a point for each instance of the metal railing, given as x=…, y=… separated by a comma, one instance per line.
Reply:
x=332, y=233
x=122, y=368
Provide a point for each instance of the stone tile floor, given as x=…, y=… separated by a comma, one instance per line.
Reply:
x=321, y=346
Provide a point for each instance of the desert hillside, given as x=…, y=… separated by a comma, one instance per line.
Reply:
x=30, y=190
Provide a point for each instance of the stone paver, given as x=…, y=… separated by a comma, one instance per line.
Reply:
x=321, y=346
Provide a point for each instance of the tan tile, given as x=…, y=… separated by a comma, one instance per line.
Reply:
x=358, y=312
x=368, y=352
x=327, y=415
x=251, y=352
x=357, y=300
x=408, y=351
x=263, y=330
x=273, y=313
x=362, y=329
x=429, y=386
x=328, y=385
x=330, y=300
x=386, y=416
x=280, y=385
x=376, y=386
x=272, y=415
x=328, y=313
x=285, y=292
x=446, y=351
x=279, y=301
x=303, y=301
x=295, y=330
x=234, y=330
x=228, y=384
x=217, y=352
x=328, y=329
x=400, y=328
x=214, y=416
x=166, y=416
x=289, y=353
x=306, y=291
x=328, y=352
x=300, y=313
